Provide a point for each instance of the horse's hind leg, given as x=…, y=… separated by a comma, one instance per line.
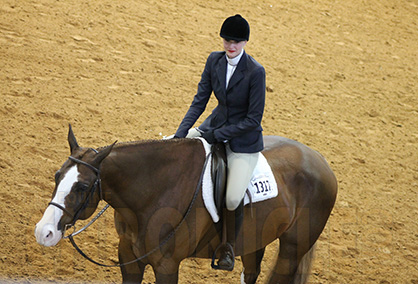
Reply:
x=252, y=263
x=293, y=264
x=286, y=264
x=297, y=246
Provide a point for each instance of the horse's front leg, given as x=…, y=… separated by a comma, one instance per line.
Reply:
x=131, y=273
x=166, y=274
x=252, y=266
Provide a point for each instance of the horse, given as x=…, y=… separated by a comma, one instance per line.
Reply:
x=160, y=217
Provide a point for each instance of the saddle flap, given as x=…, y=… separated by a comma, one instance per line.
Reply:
x=219, y=172
x=263, y=177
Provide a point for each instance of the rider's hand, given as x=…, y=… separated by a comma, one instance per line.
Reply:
x=209, y=136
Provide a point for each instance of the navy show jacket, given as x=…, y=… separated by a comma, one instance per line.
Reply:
x=237, y=118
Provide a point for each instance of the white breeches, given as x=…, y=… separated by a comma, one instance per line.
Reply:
x=240, y=169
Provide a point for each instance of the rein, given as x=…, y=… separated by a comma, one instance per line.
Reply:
x=97, y=182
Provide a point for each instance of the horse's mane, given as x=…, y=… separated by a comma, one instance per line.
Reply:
x=149, y=142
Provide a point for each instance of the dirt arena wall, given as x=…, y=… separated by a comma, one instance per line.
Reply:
x=341, y=78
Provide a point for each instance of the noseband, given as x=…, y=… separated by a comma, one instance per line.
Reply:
x=96, y=184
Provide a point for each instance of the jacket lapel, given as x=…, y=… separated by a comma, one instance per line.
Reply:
x=221, y=71
x=238, y=73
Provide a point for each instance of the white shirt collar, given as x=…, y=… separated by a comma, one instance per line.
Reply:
x=234, y=61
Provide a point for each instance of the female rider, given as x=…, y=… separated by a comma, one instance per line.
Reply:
x=238, y=82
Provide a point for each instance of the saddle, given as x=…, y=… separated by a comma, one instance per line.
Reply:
x=219, y=174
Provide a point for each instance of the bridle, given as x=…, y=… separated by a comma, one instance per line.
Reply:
x=97, y=184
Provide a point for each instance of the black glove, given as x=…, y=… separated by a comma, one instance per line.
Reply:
x=209, y=137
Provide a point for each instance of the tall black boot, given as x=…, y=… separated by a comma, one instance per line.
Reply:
x=233, y=226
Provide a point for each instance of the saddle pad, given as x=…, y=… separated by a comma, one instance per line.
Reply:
x=262, y=186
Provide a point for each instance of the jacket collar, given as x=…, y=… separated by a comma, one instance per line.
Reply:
x=238, y=73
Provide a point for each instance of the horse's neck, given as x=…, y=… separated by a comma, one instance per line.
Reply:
x=136, y=175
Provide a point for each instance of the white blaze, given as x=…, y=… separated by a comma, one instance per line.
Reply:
x=46, y=231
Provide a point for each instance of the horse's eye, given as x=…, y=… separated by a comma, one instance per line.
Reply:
x=82, y=187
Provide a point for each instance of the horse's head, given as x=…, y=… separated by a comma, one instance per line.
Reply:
x=76, y=195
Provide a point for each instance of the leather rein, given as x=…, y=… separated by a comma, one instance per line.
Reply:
x=97, y=184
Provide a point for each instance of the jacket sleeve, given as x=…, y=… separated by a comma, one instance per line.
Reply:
x=204, y=91
x=252, y=121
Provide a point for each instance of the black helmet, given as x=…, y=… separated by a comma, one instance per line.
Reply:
x=235, y=28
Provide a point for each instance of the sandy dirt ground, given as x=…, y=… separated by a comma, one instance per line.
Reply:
x=341, y=77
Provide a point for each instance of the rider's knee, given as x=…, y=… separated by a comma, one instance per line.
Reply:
x=232, y=203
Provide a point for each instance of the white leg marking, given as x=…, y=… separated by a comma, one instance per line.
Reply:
x=242, y=276
x=46, y=231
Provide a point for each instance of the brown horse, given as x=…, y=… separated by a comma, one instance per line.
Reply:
x=153, y=185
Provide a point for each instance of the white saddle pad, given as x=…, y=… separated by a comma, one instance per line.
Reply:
x=262, y=186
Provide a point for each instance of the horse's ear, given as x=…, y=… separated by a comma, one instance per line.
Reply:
x=103, y=154
x=71, y=140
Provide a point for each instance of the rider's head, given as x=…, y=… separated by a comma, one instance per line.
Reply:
x=235, y=28
x=235, y=32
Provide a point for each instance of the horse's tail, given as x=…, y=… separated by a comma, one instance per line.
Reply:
x=304, y=267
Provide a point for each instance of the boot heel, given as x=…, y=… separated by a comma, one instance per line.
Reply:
x=227, y=259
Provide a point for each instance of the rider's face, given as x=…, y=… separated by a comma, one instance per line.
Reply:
x=233, y=48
